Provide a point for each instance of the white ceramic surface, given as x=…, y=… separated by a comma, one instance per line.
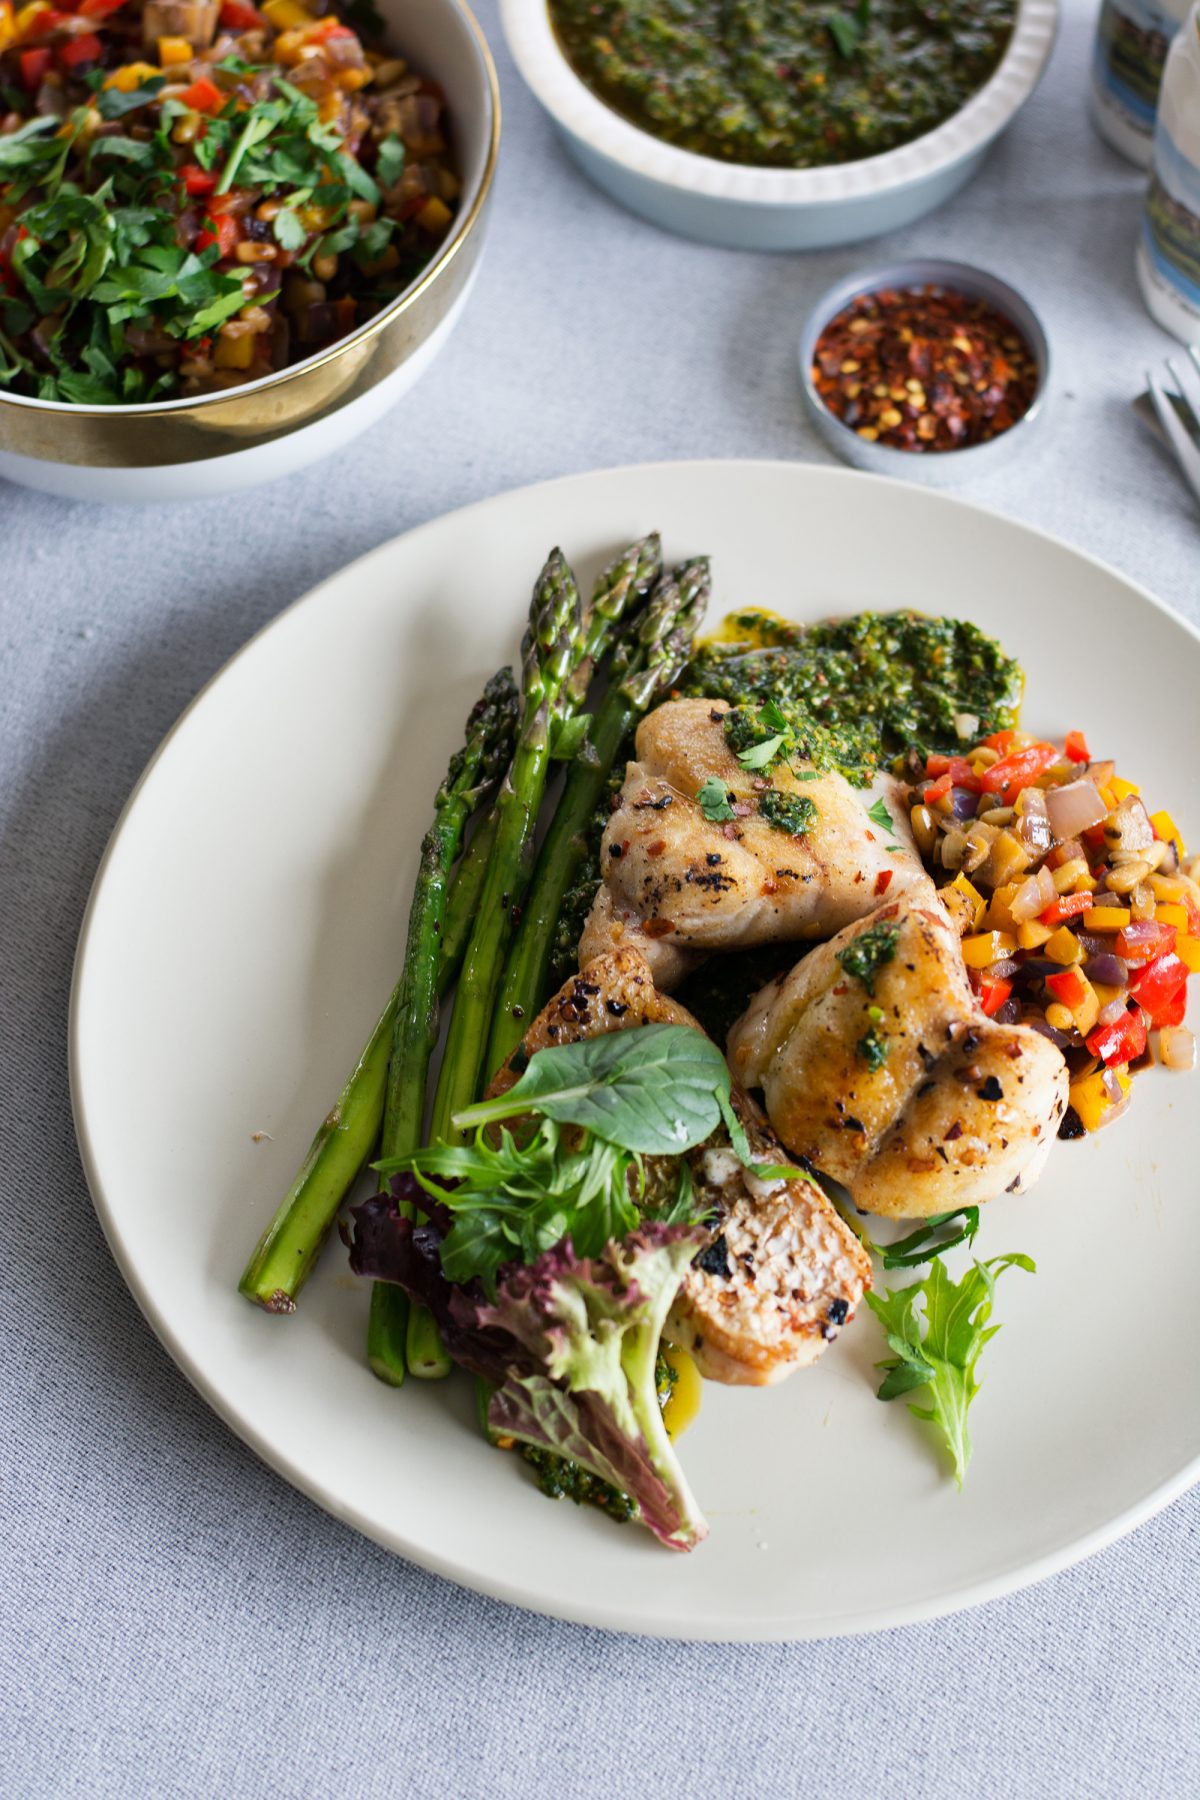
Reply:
x=744, y=208
x=247, y=922
x=439, y=36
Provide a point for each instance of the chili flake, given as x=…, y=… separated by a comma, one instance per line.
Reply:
x=924, y=369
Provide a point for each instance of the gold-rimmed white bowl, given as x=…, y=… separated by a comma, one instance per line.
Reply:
x=192, y=449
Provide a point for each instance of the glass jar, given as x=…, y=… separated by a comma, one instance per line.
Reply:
x=1132, y=41
x=1168, y=252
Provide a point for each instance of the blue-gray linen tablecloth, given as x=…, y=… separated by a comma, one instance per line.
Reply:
x=176, y=1620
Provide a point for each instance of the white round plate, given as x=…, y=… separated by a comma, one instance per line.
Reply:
x=246, y=926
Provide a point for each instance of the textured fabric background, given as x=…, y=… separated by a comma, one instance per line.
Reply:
x=175, y=1619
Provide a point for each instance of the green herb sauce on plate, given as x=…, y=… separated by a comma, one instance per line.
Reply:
x=858, y=692
x=789, y=84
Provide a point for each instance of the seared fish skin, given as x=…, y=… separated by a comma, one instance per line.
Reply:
x=960, y=1110
x=678, y=885
x=782, y=1273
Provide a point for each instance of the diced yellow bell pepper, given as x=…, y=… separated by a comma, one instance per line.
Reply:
x=988, y=947
x=1170, y=914
x=285, y=15
x=967, y=905
x=1109, y=798
x=1033, y=934
x=1064, y=947
x=1087, y=1011
x=130, y=76
x=1089, y=1097
x=1187, y=949
x=173, y=50
x=234, y=352
x=1165, y=827
x=26, y=18
x=8, y=24
x=999, y=913
x=1122, y=789
x=435, y=215
x=1104, y=993
x=1090, y=1100
x=1106, y=918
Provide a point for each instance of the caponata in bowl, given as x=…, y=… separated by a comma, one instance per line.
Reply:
x=198, y=193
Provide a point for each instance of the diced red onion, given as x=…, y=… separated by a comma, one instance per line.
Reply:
x=1142, y=938
x=1000, y=971
x=1177, y=1047
x=1107, y=968
x=1033, y=825
x=1009, y=1013
x=963, y=803
x=1110, y=1014
x=1112, y=1086
x=1027, y=902
x=1073, y=808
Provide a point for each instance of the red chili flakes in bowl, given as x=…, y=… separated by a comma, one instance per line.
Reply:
x=924, y=369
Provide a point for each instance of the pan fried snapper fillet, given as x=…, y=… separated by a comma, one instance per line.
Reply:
x=782, y=1273
x=678, y=885
x=960, y=1110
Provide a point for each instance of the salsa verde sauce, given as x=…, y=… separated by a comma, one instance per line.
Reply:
x=859, y=692
x=788, y=84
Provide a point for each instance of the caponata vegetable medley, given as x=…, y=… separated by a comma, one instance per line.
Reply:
x=196, y=193
x=1079, y=911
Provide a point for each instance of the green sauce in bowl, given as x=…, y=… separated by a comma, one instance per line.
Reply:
x=790, y=84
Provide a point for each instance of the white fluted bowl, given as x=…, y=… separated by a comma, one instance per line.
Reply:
x=746, y=208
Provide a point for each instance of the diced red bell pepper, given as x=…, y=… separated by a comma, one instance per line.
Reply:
x=1067, y=906
x=222, y=231
x=203, y=95
x=78, y=51
x=33, y=64
x=100, y=9
x=53, y=19
x=1172, y=1011
x=993, y=994
x=1075, y=745
x=1143, y=941
x=1121, y=1042
x=1158, y=982
x=1000, y=741
x=197, y=180
x=1069, y=986
x=324, y=29
x=1017, y=770
x=957, y=767
x=237, y=17
x=937, y=789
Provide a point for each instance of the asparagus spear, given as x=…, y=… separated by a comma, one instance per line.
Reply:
x=289, y=1247
x=560, y=647
x=648, y=660
x=474, y=770
x=562, y=644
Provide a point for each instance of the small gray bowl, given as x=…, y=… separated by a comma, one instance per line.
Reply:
x=941, y=468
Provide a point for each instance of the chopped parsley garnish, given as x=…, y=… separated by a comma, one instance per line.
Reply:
x=873, y=1048
x=867, y=953
x=793, y=813
x=714, y=801
x=879, y=815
